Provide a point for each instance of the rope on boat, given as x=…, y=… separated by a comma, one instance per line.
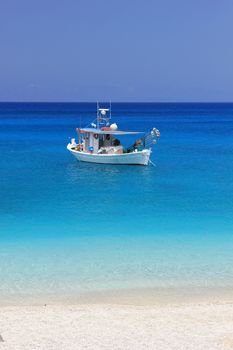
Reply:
x=151, y=139
x=150, y=162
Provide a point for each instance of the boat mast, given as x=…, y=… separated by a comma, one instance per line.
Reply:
x=110, y=114
x=97, y=114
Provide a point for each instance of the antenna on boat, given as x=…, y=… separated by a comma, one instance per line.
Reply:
x=103, y=116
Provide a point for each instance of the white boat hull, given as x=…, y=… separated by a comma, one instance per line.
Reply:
x=137, y=158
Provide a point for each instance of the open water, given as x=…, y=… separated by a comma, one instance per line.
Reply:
x=69, y=227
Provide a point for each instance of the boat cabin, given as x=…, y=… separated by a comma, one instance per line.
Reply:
x=101, y=141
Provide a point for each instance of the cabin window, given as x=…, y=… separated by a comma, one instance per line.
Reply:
x=101, y=141
x=107, y=140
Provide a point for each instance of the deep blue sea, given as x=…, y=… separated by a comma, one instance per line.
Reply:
x=69, y=227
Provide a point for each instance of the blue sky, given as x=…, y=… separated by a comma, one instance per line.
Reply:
x=123, y=50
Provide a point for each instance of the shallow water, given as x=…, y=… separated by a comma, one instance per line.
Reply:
x=69, y=226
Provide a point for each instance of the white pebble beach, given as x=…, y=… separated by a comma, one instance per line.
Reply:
x=133, y=321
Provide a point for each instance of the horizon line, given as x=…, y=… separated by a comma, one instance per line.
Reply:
x=154, y=102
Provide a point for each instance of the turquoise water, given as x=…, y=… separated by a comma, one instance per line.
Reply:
x=68, y=227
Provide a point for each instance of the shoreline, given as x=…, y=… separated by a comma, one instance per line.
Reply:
x=134, y=296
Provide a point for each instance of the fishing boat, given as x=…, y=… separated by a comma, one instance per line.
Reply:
x=99, y=143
